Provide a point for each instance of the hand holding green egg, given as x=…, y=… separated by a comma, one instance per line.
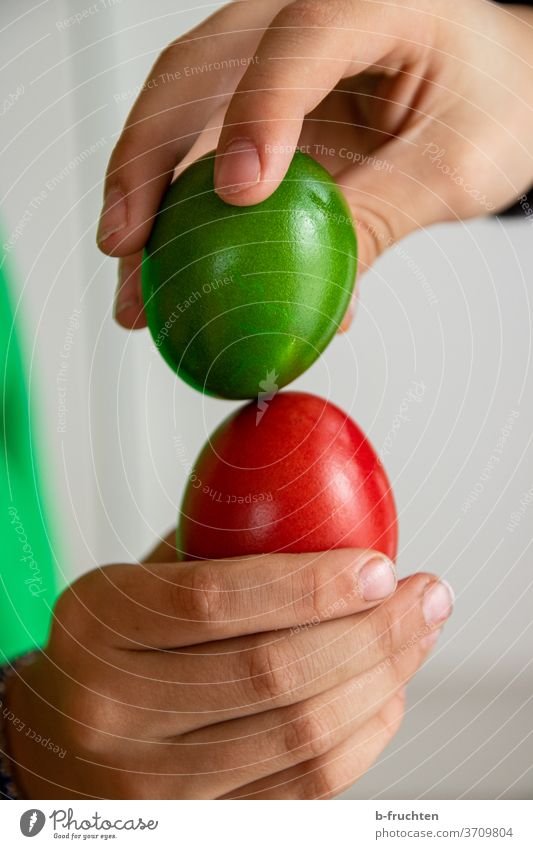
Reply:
x=233, y=294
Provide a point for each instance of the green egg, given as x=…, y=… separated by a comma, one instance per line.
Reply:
x=242, y=299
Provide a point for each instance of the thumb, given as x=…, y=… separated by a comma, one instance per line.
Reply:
x=307, y=49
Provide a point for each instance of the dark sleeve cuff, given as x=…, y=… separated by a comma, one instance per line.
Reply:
x=523, y=206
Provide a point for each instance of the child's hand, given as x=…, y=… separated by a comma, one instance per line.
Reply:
x=422, y=109
x=275, y=677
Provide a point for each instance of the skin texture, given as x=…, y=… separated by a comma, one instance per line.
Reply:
x=233, y=294
x=295, y=475
x=266, y=677
x=419, y=109
x=384, y=80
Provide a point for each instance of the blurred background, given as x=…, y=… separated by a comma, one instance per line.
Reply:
x=442, y=336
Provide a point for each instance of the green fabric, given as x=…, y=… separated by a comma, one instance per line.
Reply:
x=27, y=576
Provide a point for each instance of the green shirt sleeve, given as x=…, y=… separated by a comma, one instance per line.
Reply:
x=27, y=575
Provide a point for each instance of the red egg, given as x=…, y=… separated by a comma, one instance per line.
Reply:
x=289, y=474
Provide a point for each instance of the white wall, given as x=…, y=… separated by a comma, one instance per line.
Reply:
x=450, y=310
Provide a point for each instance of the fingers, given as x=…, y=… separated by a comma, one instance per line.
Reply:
x=255, y=747
x=191, y=78
x=307, y=49
x=166, y=606
x=327, y=775
x=181, y=770
x=389, y=204
x=303, y=54
x=227, y=755
x=234, y=678
x=129, y=307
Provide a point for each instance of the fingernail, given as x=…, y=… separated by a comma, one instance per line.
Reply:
x=121, y=307
x=438, y=602
x=113, y=217
x=377, y=579
x=429, y=640
x=237, y=168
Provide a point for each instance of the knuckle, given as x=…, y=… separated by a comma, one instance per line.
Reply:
x=308, y=735
x=201, y=602
x=178, y=50
x=312, y=13
x=79, y=615
x=95, y=723
x=320, y=783
x=74, y=704
x=182, y=52
x=72, y=607
x=271, y=676
x=457, y=177
x=389, y=720
x=66, y=613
